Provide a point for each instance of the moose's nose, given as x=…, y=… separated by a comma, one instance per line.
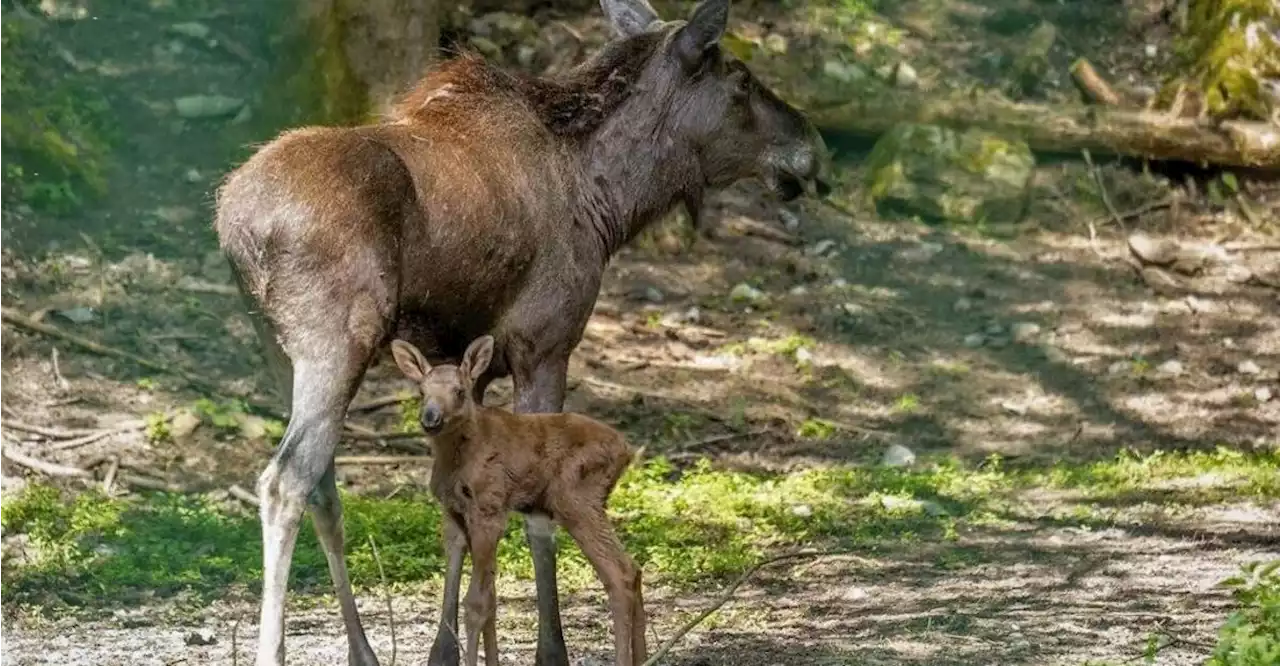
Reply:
x=432, y=417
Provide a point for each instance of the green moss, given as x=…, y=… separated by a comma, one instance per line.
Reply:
x=1228, y=49
x=56, y=138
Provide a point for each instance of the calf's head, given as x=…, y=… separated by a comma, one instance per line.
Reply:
x=714, y=108
x=446, y=389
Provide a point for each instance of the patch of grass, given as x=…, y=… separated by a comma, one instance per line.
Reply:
x=157, y=430
x=1209, y=474
x=785, y=347
x=1251, y=634
x=410, y=412
x=816, y=429
x=687, y=527
x=907, y=403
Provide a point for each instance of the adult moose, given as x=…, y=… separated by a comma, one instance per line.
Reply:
x=486, y=202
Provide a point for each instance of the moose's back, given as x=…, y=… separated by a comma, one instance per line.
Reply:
x=434, y=221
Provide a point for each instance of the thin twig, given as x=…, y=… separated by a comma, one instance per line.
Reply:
x=51, y=433
x=110, y=479
x=147, y=483
x=699, y=443
x=61, y=382
x=378, y=403
x=20, y=320
x=1141, y=210
x=43, y=466
x=92, y=437
x=235, y=644
x=391, y=618
x=380, y=460
x=1102, y=189
x=728, y=593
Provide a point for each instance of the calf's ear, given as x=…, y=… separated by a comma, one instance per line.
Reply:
x=410, y=360
x=477, y=357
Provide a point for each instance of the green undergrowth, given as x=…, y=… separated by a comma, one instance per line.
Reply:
x=1229, y=49
x=688, y=527
x=57, y=129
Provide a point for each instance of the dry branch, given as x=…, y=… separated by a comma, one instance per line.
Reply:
x=20, y=320
x=728, y=593
x=43, y=466
x=1091, y=84
x=391, y=617
x=243, y=495
x=1066, y=129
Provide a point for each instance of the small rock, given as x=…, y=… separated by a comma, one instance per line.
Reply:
x=1151, y=50
x=654, y=295
x=904, y=504
x=80, y=315
x=994, y=328
x=191, y=29
x=855, y=594
x=184, y=423
x=1151, y=251
x=1262, y=394
x=974, y=340
x=790, y=221
x=775, y=43
x=252, y=427
x=905, y=76
x=922, y=252
x=799, y=290
x=998, y=341
x=802, y=511
x=525, y=55
x=804, y=356
x=844, y=72
x=1200, y=306
x=207, y=106
x=933, y=509
x=1055, y=355
x=201, y=637
x=1119, y=368
x=691, y=316
x=1238, y=273
x=839, y=283
x=1024, y=331
x=821, y=247
x=1171, y=368
x=193, y=176
x=745, y=293
x=962, y=304
x=853, y=308
x=1179, y=306
x=897, y=455
x=1248, y=367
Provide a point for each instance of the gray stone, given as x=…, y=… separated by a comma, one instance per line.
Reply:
x=790, y=221
x=745, y=293
x=201, y=637
x=654, y=295
x=1248, y=367
x=905, y=76
x=799, y=290
x=804, y=356
x=79, y=315
x=994, y=328
x=998, y=341
x=1024, y=331
x=1119, y=368
x=1262, y=394
x=207, y=106
x=1151, y=251
x=974, y=340
x=941, y=175
x=1238, y=273
x=897, y=455
x=963, y=304
x=191, y=29
x=184, y=423
x=821, y=247
x=692, y=316
x=843, y=72
x=1172, y=368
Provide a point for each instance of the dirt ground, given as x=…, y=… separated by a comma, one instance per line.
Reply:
x=1080, y=358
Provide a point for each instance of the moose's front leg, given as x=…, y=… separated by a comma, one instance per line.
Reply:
x=539, y=391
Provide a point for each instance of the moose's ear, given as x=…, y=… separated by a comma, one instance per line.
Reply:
x=477, y=357
x=410, y=360
x=628, y=17
x=705, y=28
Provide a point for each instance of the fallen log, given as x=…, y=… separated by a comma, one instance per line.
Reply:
x=1068, y=129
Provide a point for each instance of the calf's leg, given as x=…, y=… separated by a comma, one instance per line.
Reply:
x=444, y=651
x=483, y=533
x=621, y=578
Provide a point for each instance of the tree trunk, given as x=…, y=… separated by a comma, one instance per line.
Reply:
x=1067, y=129
x=343, y=61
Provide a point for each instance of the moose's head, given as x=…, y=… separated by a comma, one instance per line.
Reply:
x=733, y=126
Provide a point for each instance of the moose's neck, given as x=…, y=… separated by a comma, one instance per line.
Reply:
x=633, y=173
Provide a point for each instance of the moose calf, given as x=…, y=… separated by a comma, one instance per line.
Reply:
x=489, y=462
